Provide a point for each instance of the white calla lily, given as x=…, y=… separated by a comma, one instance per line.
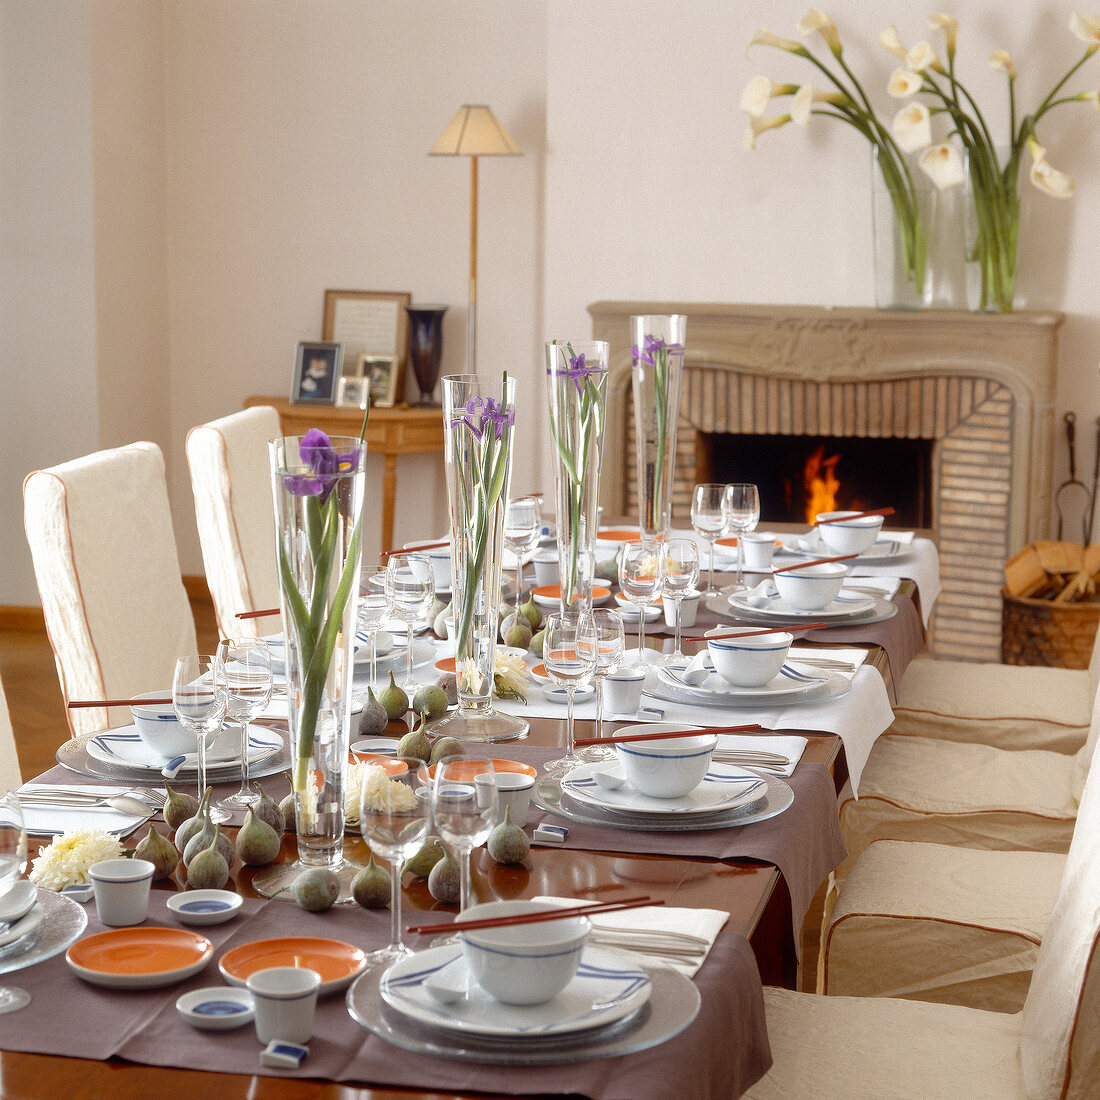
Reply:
x=904, y=83
x=816, y=20
x=758, y=126
x=921, y=56
x=755, y=97
x=1092, y=97
x=950, y=27
x=889, y=41
x=1087, y=28
x=943, y=165
x=802, y=104
x=1046, y=178
x=912, y=128
x=1001, y=60
x=764, y=37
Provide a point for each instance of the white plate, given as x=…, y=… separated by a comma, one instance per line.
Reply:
x=217, y=1008
x=124, y=747
x=629, y=611
x=607, y=987
x=793, y=682
x=383, y=642
x=845, y=606
x=555, y=693
x=836, y=685
x=205, y=906
x=24, y=926
x=884, y=548
x=724, y=787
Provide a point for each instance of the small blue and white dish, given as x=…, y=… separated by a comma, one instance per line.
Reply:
x=216, y=1008
x=205, y=906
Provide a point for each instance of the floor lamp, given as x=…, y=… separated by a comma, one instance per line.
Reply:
x=474, y=132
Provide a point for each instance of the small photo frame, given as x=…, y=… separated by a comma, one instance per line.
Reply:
x=379, y=372
x=353, y=393
x=317, y=368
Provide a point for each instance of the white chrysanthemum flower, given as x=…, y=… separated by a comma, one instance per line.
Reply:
x=757, y=126
x=65, y=862
x=510, y=676
x=1048, y=179
x=1001, y=60
x=889, y=41
x=755, y=97
x=904, y=83
x=1087, y=28
x=816, y=20
x=764, y=37
x=469, y=678
x=943, y=165
x=921, y=56
x=377, y=791
x=950, y=27
x=912, y=128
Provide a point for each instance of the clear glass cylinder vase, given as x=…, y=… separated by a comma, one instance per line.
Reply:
x=657, y=350
x=478, y=425
x=576, y=383
x=318, y=486
x=994, y=214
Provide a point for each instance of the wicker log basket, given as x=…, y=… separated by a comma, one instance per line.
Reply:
x=1051, y=605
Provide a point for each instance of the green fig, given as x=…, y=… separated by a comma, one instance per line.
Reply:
x=438, y=608
x=201, y=840
x=416, y=743
x=209, y=869
x=535, y=644
x=268, y=810
x=421, y=864
x=608, y=570
x=371, y=886
x=159, y=851
x=193, y=825
x=443, y=879
x=257, y=842
x=518, y=634
x=393, y=699
x=448, y=683
x=430, y=700
x=178, y=808
x=446, y=746
x=532, y=613
x=439, y=623
x=316, y=889
x=286, y=804
x=508, y=843
x=373, y=717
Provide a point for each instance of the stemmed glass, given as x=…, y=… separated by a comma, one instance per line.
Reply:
x=569, y=657
x=242, y=673
x=641, y=577
x=13, y=862
x=395, y=827
x=710, y=517
x=681, y=561
x=200, y=707
x=410, y=586
x=375, y=608
x=610, y=647
x=744, y=516
x=522, y=528
x=462, y=822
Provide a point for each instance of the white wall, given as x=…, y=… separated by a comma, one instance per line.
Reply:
x=293, y=141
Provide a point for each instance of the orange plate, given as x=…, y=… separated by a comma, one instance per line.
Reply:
x=391, y=766
x=553, y=592
x=139, y=958
x=622, y=601
x=337, y=962
x=733, y=542
x=618, y=534
x=498, y=766
x=445, y=664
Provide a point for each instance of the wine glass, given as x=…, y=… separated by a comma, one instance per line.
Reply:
x=681, y=561
x=13, y=862
x=569, y=657
x=461, y=820
x=394, y=827
x=710, y=517
x=375, y=608
x=641, y=577
x=200, y=707
x=410, y=586
x=610, y=647
x=242, y=672
x=522, y=529
x=744, y=516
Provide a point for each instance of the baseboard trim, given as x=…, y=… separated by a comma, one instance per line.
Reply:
x=29, y=619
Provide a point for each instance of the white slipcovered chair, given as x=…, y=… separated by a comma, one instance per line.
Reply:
x=868, y=1048
x=104, y=554
x=10, y=777
x=231, y=480
x=1010, y=706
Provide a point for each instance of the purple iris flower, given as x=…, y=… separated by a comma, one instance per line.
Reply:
x=493, y=416
x=577, y=371
x=324, y=463
x=653, y=345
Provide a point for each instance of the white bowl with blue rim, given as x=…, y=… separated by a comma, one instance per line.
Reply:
x=217, y=1008
x=810, y=587
x=205, y=906
x=668, y=768
x=522, y=964
x=750, y=661
x=848, y=532
x=159, y=728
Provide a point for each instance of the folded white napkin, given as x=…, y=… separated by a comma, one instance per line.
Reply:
x=754, y=752
x=658, y=934
x=49, y=820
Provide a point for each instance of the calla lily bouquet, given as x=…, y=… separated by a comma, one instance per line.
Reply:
x=993, y=180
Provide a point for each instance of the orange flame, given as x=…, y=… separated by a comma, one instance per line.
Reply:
x=820, y=482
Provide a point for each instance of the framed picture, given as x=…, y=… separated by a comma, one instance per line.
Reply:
x=317, y=369
x=380, y=376
x=374, y=323
x=353, y=392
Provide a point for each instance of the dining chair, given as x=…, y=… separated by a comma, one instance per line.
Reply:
x=104, y=554
x=10, y=776
x=231, y=480
x=866, y=1048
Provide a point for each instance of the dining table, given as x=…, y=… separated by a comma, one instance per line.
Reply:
x=79, y=1040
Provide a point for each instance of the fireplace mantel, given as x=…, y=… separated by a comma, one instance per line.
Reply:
x=981, y=386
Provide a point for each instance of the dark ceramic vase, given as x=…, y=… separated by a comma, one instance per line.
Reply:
x=425, y=348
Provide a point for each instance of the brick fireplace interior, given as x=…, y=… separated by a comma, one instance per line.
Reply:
x=947, y=416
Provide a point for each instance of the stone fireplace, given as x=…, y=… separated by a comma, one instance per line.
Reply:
x=979, y=388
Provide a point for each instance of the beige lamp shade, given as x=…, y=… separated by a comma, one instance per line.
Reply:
x=475, y=132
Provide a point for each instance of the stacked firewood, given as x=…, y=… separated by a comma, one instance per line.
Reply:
x=1063, y=572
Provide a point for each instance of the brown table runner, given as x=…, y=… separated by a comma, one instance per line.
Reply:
x=720, y=1054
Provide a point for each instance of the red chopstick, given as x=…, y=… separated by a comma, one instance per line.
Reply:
x=75, y=704
x=622, y=739
x=414, y=549
x=858, y=515
x=769, y=630
x=816, y=561
x=595, y=908
x=258, y=614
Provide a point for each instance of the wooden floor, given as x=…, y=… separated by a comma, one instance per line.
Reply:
x=34, y=695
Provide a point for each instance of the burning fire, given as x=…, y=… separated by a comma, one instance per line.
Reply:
x=820, y=483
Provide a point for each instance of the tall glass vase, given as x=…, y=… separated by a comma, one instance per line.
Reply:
x=657, y=347
x=576, y=381
x=318, y=485
x=478, y=424
x=993, y=218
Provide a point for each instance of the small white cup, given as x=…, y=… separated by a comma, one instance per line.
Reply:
x=622, y=690
x=121, y=888
x=689, y=608
x=286, y=999
x=547, y=570
x=759, y=550
x=511, y=790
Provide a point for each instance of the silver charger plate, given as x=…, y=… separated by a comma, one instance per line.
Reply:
x=673, y=1005
x=835, y=687
x=777, y=797
x=62, y=925
x=883, y=609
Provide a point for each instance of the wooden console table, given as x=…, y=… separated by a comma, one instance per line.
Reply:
x=393, y=432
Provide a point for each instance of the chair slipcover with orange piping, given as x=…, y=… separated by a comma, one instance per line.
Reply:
x=231, y=479
x=104, y=554
x=9, y=759
x=867, y=1048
